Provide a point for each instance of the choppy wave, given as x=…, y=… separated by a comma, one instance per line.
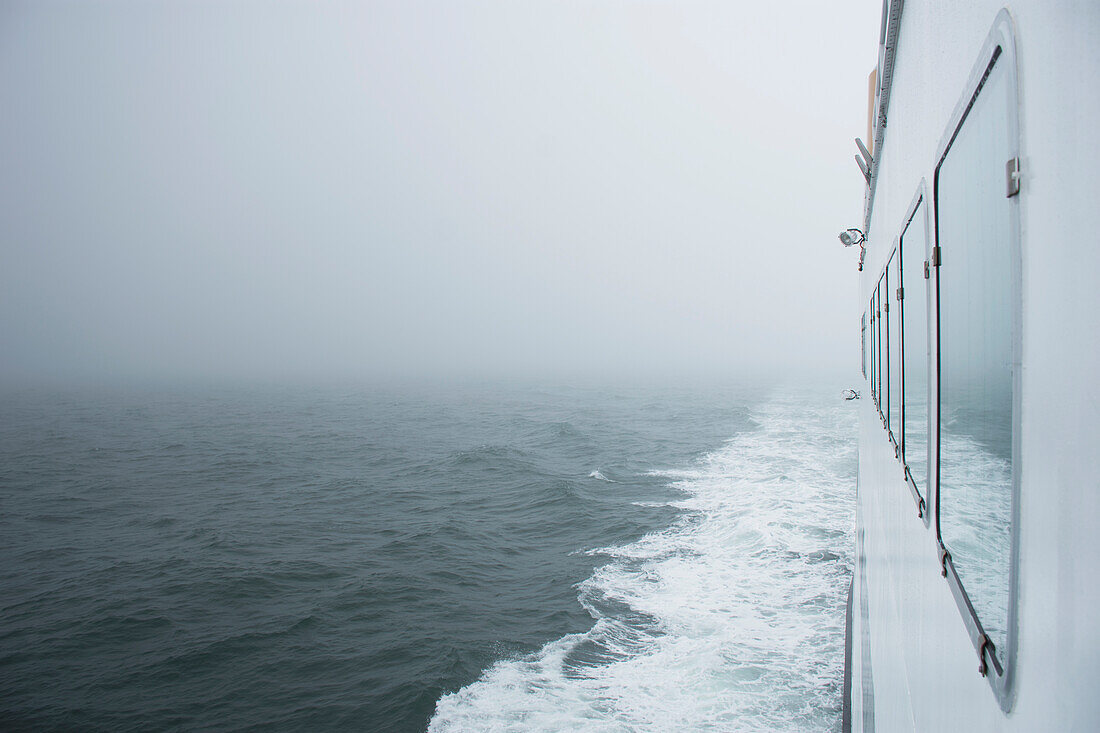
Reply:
x=732, y=618
x=599, y=476
x=314, y=558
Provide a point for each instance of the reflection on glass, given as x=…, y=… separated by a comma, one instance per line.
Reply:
x=976, y=314
x=883, y=345
x=878, y=349
x=874, y=345
x=886, y=336
x=915, y=317
x=895, y=347
x=863, y=344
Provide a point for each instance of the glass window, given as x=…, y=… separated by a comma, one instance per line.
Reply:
x=977, y=297
x=914, y=316
x=880, y=340
x=874, y=350
x=893, y=270
x=884, y=300
x=863, y=344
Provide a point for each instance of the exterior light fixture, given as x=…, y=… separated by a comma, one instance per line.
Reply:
x=850, y=237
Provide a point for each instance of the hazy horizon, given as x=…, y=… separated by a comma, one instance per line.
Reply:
x=397, y=190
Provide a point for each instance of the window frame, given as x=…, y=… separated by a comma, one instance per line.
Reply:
x=863, y=344
x=999, y=48
x=882, y=337
x=871, y=345
x=919, y=206
x=884, y=298
x=894, y=355
x=874, y=347
x=877, y=343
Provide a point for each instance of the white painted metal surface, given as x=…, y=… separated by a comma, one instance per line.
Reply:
x=922, y=665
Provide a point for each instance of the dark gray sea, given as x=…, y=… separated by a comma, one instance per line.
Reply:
x=506, y=557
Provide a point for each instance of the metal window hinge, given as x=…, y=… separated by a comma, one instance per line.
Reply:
x=927, y=274
x=920, y=509
x=901, y=293
x=983, y=644
x=944, y=557
x=936, y=256
x=1012, y=177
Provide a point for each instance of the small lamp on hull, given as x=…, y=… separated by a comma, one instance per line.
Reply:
x=850, y=237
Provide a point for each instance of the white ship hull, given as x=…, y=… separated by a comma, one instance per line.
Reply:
x=1001, y=634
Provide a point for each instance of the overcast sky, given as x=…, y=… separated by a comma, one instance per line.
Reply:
x=321, y=189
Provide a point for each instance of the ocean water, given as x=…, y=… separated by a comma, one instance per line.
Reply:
x=461, y=557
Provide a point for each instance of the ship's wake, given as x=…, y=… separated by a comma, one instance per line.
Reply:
x=732, y=618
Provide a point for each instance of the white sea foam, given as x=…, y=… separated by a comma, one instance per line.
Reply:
x=597, y=474
x=730, y=619
x=657, y=504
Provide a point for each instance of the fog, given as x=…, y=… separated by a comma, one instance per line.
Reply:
x=281, y=190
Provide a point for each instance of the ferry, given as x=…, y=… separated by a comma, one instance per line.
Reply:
x=976, y=587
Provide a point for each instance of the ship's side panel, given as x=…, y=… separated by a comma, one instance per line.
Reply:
x=1059, y=649
x=922, y=660
x=916, y=631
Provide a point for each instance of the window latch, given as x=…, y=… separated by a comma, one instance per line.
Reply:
x=927, y=274
x=944, y=557
x=901, y=293
x=1012, y=177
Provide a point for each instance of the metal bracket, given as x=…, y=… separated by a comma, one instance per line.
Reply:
x=944, y=557
x=927, y=274
x=864, y=152
x=901, y=293
x=983, y=643
x=864, y=162
x=936, y=256
x=920, y=509
x=864, y=169
x=1012, y=177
